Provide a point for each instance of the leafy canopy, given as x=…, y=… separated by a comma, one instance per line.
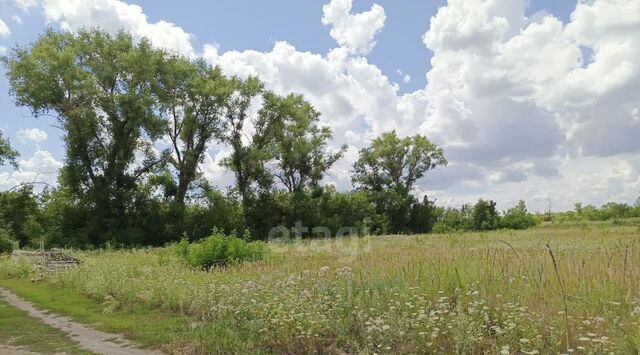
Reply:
x=394, y=163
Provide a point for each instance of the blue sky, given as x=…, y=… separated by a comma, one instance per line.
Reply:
x=474, y=106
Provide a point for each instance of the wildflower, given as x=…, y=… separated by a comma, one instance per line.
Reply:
x=344, y=271
x=323, y=271
x=505, y=350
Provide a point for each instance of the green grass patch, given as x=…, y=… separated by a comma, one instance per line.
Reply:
x=144, y=326
x=18, y=329
x=164, y=330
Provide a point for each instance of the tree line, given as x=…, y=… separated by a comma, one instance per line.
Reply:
x=137, y=122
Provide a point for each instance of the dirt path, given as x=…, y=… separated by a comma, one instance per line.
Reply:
x=14, y=350
x=86, y=337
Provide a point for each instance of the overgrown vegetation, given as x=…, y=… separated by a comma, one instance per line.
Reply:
x=482, y=292
x=218, y=250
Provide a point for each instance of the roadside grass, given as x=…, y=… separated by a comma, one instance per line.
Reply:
x=497, y=292
x=18, y=329
x=144, y=326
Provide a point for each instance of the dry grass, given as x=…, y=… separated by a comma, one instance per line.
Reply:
x=470, y=293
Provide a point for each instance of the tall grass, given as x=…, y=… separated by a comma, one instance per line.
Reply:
x=497, y=292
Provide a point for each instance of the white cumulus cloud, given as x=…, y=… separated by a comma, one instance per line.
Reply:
x=113, y=15
x=355, y=32
x=4, y=29
x=42, y=167
x=32, y=134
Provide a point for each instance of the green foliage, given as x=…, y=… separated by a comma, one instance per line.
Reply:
x=6, y=242
x=423, y=216
x=192, y=97
x=219, y=249
x=7, y=154
x=99, y=86
x=454, y=220
x=518, y=217
x=606, y=212
x=389, y=168
x=485, y=216
x=300, y=145
x=18, y=209
x=394, y=163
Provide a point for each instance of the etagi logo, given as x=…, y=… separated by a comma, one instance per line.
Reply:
x=347, y=243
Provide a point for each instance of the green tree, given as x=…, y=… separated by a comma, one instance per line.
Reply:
x=388, y=170
x=7, y=154
x=300, y=149
x=99, y=87
x=250, y=136
x=193, y=98
x=396, y=163
x=17, y=208
x=485, y=216
x=518, y=217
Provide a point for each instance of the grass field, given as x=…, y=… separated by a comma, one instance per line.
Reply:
x=544, y=290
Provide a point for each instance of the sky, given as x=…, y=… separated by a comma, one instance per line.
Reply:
x=535, y=100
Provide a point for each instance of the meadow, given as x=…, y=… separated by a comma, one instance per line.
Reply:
x=550, y=289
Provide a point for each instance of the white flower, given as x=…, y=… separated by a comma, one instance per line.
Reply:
x=323, y=271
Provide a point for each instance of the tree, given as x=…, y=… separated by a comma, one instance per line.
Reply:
x=518, y=217
x=389, y=168
x=99, y=87
x=300, y=149
x=193, y=98
x=7, y=154
x=485, y=216
x=17, y=208
x=250, y=137
x=423, y=216
x=396, y=163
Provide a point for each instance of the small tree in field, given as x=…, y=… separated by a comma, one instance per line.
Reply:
x=518, y=217
x=485, y=216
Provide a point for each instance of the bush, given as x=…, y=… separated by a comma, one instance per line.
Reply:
x=218, y=250
x=485, y=216
x=6, y=242
x=518, y=218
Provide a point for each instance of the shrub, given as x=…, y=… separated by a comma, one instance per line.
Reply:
x=485, y=216
x=517, y=217
x=6, y=242
x=219, y=249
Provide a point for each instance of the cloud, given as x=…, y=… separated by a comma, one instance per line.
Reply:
x=3, y=50
x=17, y=19
x=32, y=134
x=42, y=167
x=26, y=5
x=355, y=32
x=4, y=29
x=487, y=54
x=113, y=15
x=405, y=77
